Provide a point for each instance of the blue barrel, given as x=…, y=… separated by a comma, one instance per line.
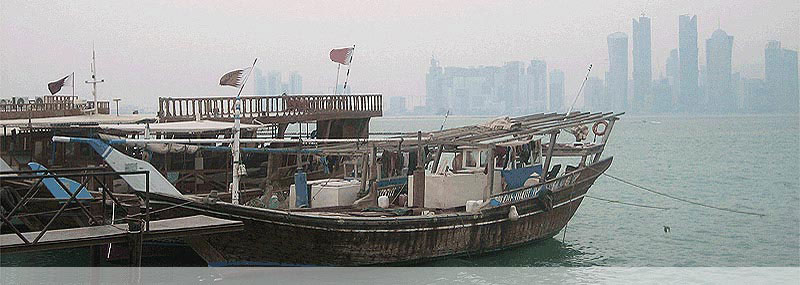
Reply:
x=301, y=189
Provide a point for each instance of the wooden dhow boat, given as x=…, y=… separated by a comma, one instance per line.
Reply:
x=475, y=189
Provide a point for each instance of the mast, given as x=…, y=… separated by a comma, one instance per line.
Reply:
x=93, y=82
x=235, y=146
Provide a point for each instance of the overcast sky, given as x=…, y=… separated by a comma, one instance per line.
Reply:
x=147, y=49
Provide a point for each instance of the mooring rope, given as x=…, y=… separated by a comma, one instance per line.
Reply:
x=629, y=204
x=679, y=198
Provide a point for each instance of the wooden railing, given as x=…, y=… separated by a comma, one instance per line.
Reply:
x=271, y=108
x=51, y=106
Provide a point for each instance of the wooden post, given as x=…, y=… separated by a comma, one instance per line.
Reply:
x=419, y=175
x=549, y=156
x=605, y=139
x=489, y=174
x=436, y=159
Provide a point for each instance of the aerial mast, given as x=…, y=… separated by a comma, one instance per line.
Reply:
x=94, y=82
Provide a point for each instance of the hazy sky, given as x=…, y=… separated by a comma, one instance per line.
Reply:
x=147, y=49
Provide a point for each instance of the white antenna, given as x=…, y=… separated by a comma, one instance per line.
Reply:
x=94, y=82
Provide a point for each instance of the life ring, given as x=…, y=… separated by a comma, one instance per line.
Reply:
x=599, y=133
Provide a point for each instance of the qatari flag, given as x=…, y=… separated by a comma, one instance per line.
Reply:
x=234, y=78
x=55, y=86
x=342, y=55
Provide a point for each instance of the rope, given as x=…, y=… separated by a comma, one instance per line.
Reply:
x=629, y=204
x=681, y=199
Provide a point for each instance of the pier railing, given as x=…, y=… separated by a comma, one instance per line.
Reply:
x=49, y=106
x=99, y=178
x=289, y=108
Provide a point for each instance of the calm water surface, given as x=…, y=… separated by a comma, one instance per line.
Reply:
x=749, y=163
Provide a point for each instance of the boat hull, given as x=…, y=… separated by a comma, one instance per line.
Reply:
x=274, y=237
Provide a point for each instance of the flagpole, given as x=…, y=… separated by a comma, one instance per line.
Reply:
x=237, y=117
x=350, y=63
x=73, y=85
x=336, y=86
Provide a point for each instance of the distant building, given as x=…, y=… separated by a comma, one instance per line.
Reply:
x=718, y=86
x=642, y=64
x=662, y=95
x=673, y=75
x=340, y=89
x=260, y=82
x=435, y=100
x=397, y=105
x=754, y=93
x=556, y=91
x=537, y=87
x=274, y=83
x=780, y=78
x=593, y=95
x=617, y=75
x=688, y=81
x=295, y=83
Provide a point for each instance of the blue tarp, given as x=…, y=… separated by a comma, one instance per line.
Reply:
x=515, y=178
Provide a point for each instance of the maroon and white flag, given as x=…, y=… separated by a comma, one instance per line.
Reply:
x=342, y=55
x=234, y=78
x=56, y=86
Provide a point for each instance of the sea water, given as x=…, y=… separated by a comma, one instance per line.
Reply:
x=749, y=163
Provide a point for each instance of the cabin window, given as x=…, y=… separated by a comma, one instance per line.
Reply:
x=469, y=159
x=483, y=158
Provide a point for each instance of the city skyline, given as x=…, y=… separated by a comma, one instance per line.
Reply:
x=195, y=42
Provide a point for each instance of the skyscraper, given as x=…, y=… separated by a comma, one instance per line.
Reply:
x=687, y=45
x=617, y=75
x=642, y=64
x=556, y=91
x=673, y=75
x=537, y=86
x=718, y=72
x=295, y=83
x=274, y=83
x=434, y=89
x=780, y=78
x=593, y=98
x=260, y=81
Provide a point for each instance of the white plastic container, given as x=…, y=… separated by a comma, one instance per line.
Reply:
x=383, y=202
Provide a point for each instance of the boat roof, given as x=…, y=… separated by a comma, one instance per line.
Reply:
x=499, y=131
x=73, y=121
x=177, y=127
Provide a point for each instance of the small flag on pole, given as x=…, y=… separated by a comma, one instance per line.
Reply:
x=234, y=78
x=342, y=55
x=55, y=86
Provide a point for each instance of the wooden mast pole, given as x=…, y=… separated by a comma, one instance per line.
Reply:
x=549, y=156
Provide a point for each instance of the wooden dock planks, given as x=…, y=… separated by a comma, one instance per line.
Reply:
x=97, y=235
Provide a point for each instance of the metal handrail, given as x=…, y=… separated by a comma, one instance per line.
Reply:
x=106, y=192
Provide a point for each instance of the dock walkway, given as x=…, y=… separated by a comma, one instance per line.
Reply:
x=98, y=235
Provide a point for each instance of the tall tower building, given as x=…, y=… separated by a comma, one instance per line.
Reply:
x=687, y=46
x=434, y=88
x=274, y=83
x=780, y=78
x=537, y=86
x=556, y=91
x=642, y=64
x=295, y=83
x=718, y=72
x=617, y=75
